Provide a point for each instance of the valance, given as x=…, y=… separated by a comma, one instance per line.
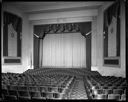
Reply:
x=13, y=19
x=42, y=30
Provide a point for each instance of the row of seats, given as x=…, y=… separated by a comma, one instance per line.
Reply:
x=25, y=94
x=106, y=87
x=57, y=86
x=107, y=80
x=35, y=86
x=78, y=72
x=35, y=80
x=117, y=97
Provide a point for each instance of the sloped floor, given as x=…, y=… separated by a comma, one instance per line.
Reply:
x=78, y=91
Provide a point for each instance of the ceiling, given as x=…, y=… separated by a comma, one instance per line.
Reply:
x=36, y=7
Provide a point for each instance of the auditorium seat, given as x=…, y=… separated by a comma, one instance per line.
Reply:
x=107, y=91
x=112, y=87
x=33, y=88
x=13, y=94
x=21, y=83
x=94, y=88
x=24, y=95
x=4, y=93
x=43, y=88
x=118, y=91
x=122, y=87
x=114, y=96
x=49, y=95
x=44, y=95
x=100, y=96
x=124, y=83
x=22, y=88
x=104, y=87
x=4, y=86
x=62, y=86
x=12, y=87
x=56, y=95
x=97, y=91
x=54, y=89
x=109, y=84
x=123, y=97
x=60, y=90
x=50, y=89
x=116, y=84
x=35, y=95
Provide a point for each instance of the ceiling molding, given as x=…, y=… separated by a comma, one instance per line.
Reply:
x=40, y=6
x=64, y=9
x=62, y=20
x=68, y=14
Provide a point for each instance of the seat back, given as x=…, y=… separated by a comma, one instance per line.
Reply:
x=13, y=87
x=97, y=91
x=123, y=97
x=49, y=95
x=118, y=91
x=4, y=86
x=107, y=91
x=114, y=96
x=43, y=89
x=44, y=95
x=13, y=92
x=24, y=95
x=100, y=96
x=60, y=90
x=122, y=87
x=13, y=95
x=23, y=88
x=4, y=93
x=33, y=88
x=35, y=95
x=56, y=95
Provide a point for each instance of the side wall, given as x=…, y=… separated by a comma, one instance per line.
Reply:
x=97, y=45
x=25, y=43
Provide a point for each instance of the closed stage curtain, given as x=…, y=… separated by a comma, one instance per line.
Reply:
x=63, y=51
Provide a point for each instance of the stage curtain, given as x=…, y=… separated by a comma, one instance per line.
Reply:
x=63, y=51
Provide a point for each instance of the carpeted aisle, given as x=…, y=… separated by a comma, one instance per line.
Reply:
x=78, y=91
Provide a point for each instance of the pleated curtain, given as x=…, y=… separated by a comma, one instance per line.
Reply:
x=66, y=50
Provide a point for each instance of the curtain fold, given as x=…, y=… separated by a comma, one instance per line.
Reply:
x=63, y=51
x=40, y=53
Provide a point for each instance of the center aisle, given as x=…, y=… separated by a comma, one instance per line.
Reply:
x=78, y=91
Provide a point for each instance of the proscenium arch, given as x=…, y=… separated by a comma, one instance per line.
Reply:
x=40, y=31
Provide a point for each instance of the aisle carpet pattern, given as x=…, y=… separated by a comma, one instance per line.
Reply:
x=78, y=91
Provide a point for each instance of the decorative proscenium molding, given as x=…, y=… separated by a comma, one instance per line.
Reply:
x=42, y=30
x=61, y=28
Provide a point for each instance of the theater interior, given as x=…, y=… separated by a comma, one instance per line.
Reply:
x=63, y=51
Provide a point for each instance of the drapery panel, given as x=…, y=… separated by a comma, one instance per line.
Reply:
x=63, y=50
